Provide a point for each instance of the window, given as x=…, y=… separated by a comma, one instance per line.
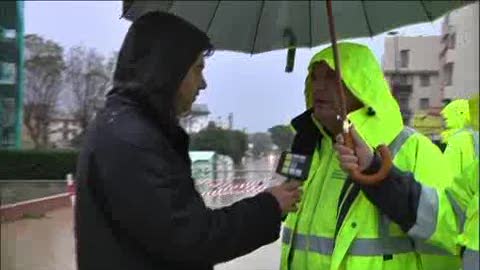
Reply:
x=424, y=80
x=403, y=79
x=7, y=73
x=452, y=38
x=448, y=69
x=424, y=103
x=8, y=112
x=8, y=33
x=7, y=122
x=404, y=58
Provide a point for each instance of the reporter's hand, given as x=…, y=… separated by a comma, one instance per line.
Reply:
x=287, y=194
x=351, y=160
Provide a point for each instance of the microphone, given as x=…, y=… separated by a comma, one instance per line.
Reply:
x=294, y=166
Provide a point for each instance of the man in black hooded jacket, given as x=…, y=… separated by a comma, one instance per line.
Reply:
x=137, y=207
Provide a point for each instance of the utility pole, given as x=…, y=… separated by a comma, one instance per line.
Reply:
x=395, y=53
x=230, y=121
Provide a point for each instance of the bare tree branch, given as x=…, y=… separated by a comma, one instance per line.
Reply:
x=88, y=77
x=44, y=75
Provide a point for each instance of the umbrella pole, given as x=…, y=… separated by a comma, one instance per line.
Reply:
x=338, y=72
x=383, y=150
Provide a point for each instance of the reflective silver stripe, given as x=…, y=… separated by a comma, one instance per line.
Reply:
x=286, y=234
x=427, y=212
x=359, y=247
x=476, y=143
x=475, y=140
x=458, y=210
x=424, y=248
x=471, y=260
x=322, y=245
x=378, y=246
x=401, y=138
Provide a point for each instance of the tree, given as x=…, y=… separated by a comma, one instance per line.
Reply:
x=88, y=76
x=232, y=143
x=282, y=136
x=44, y=66
x=262, y=143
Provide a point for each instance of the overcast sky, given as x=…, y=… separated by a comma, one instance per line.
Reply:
x=255, y=89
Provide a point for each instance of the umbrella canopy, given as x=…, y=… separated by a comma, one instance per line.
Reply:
x=261, y=26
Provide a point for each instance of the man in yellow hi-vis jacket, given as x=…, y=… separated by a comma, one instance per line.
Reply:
x=336, y=226
x=458, y=136
x=446, y=218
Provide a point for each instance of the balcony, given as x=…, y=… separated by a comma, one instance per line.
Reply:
x=399, y=79
x=443, y=51
x=449, y=56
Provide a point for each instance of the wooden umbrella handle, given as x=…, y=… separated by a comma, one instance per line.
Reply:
x=371, y=179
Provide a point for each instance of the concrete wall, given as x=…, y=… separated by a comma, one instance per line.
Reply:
x=423, y=60
x=431, y=92
x=423, y=53
x=34, y=208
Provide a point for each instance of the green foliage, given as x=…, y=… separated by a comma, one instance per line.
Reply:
x=36, y=164
x=282, y=136
x=232, y=143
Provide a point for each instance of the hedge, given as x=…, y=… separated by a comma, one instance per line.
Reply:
x=36, y=164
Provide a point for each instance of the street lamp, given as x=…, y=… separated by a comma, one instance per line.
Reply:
x=395, y=48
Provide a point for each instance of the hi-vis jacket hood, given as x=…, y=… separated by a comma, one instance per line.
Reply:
x=364, y=77
x=457, y=116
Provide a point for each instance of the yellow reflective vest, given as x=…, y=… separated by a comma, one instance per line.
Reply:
x=336, y=226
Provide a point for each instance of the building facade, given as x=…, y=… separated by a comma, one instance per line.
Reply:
x=459, y=53
x=62, y=130
x=411, y=65
x=427, y=71
x=11, y=73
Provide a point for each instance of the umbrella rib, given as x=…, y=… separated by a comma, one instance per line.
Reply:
x=429, y=16
x=258, y=25
x=213, y=16
x=310, y=22
x=366, y=18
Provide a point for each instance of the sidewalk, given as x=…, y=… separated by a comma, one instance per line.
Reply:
x=265, y=258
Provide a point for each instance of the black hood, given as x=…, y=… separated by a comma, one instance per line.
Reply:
x=155, y=56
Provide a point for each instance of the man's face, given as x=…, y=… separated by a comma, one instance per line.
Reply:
x=190, y=87
x=324, y=88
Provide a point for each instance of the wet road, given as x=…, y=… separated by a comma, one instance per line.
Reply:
x=39, y=244
x=264, y=258
x=47, y=244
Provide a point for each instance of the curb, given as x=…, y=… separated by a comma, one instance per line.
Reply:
x=16, y=211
